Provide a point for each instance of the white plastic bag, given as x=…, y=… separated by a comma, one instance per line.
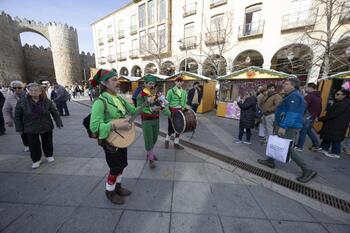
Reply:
x=279, y=148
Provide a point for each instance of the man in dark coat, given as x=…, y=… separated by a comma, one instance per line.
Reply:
x=194, y=97
x=247, y=117
x=335, y=124
x=2, y=121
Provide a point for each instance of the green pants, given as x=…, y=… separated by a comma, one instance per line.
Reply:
x=295, y=156
x=150, y=129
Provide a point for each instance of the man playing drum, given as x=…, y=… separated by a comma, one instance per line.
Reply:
x=150, y=116
x=177, y=98
x=107, y=107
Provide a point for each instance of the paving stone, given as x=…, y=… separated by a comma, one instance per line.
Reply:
x=296, y=227
x=185, y=156
x=279, y=207
x=190, y=223
x=235, y=200
x=63, y=166
x=40, y=219
x=152, y=195
x=134, y=168
x=163, y=171
x=94, y=167
x=190, y=172
x=91, y=220
x=216, y=174
x=75, y=150
x=10, y=212
x=244, y=225
x=337, y=228
x=147, y=222
x=321, y=217
x=190, y=197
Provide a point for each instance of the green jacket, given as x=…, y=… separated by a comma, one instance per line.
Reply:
x=25, y=122
x=176, y=100
x=147, y=109
x=100, y=118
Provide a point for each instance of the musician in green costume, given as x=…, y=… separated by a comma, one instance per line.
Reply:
x=150, y=115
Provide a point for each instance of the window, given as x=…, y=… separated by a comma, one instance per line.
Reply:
x=252, y=18
x=110, y=29
x=162, y=38
x=151, y=12
x=152, y=40
x=302, y=8
x=102, y=52
x=121, y=29
x=100, y=37
x=189, y=30
x=133, y=23
x=100, y=33
x=161, y=10
x=143, y=42
x=189, y=36
x=134, y=44
x=111, y=50
x=142, y=15
x=216, y=23
x=122, y=47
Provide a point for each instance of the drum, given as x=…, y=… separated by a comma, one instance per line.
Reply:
x=184, y=121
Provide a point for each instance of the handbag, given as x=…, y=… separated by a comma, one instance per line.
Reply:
x=279, y=148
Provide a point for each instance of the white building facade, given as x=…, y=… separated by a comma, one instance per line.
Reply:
x=215, y=37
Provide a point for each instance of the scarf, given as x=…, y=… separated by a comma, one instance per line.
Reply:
x=37, y=108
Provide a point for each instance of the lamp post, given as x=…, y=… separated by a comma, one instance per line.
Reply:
x=184, y=45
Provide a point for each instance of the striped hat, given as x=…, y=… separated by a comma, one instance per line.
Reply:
x=103, y=75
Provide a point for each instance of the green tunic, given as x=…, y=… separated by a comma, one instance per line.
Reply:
x=99, y=121
x=176, y=100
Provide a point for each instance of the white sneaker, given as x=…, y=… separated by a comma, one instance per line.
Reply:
x=36, y=165
x=247, y=142
x=50, y=159
x=238, y=142
x=331, y=155
x=26, y=149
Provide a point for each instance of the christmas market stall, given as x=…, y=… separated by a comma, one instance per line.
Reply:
x=128, y=84
x=161, y=82
x=234, y=86
x=206, y=84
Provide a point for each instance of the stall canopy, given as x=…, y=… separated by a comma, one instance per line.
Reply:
x=253, y=73
x=341, y=75
x=123, y=78
x=159, y=77
x=188, y=76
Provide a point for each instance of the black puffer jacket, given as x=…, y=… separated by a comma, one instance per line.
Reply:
x=248, y=109
x=25, y=122
x=336, y=121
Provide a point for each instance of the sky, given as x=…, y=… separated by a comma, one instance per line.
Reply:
x=77, y=13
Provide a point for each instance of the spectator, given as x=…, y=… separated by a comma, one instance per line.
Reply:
x=10, y=107
x=61, y=99
x=262, y=91
x=288, y=122
x=313, y=110
x=2, y=121
x=194, y=97
x=247, y=117
x=33, y=117
x=335, y=124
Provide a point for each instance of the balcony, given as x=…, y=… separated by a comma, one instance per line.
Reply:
x=133, y=54
x=299, y=20
x=121, y=56
x=251, y=30
x=101, y=61
x=217, y=3
x=215, y=38
x=190, y=9
x=111, y=58
x=133, y=30
x=100, y=41
x=110, y=38
x=188, y=43
x=121, y=34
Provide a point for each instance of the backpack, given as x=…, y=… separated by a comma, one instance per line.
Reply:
x=86, y=121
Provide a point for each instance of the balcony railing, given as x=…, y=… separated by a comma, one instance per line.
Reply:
x=100, y=41
x=251, y=29
x=110, y=38
x=101, y=61
x=216, y=3
x=121, y=34
x=134, y=53
x=133, y=30
x=299, y=19
x=189, y=43
x=121, y=56
x=111, y=58
x=215, y=37
x=190, y=9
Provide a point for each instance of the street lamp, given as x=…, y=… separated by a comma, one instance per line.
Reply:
x=184, y=45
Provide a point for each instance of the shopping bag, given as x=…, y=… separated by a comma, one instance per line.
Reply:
x=279, y=148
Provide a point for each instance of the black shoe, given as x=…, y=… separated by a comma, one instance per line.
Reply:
x=114, y=198
x=178, y=146
x=122, y=191
x=307, y=176
x=166, y=144
x=265, y=162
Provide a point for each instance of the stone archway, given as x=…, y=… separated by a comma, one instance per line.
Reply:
x=167, y=68
x=214, y=66
x=151, y=68
x=192, y=65
x=136, y=71
x=247, y=58
x=64, y=47
x=124, y=71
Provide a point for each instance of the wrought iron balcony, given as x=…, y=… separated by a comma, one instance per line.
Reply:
x=100, y=41
x=111, y=58
x=133, y=30
x=110, y=38
x=215, y=37
x=134, y=53
x=216, y=3
x=188, y=43
x=254, y=29
x=299, y=20
x=121, y=34
x=121, y=56
x=190, y=9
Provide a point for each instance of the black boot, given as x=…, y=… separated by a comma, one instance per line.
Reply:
x=307, y=176
x=122, y=191
x=114, y=197
x=267, y=163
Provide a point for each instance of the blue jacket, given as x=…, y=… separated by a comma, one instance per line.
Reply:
x=289, y=114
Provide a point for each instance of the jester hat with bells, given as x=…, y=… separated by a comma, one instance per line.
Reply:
x=102, y=75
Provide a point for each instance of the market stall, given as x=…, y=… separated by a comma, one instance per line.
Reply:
x=128, y=84
x=234, y=86
x=161, y=82
x=207, y=86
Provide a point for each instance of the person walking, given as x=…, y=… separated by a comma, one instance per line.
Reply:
x=247, y=117
x=194, y=96
x=335, y=123
x=61, y=99
x=33, y=117
x=2, y=121
x=288, y=122
x=313, y=110
x=10, y=108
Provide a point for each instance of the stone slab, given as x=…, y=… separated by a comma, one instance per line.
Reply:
x=194, y=172
x=245, y=225
x=163, y=171
x=293, y=227
x=190, y=223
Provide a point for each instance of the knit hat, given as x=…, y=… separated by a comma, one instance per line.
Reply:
x=102, y=75
x=16, y=83
x=150, y=78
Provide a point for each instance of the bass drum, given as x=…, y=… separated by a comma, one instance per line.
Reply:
x=184, y=121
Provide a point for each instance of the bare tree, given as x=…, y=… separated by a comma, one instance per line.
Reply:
x=331, y=19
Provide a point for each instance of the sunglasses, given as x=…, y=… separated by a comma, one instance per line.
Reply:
x=337, y=94
x=18, y=88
